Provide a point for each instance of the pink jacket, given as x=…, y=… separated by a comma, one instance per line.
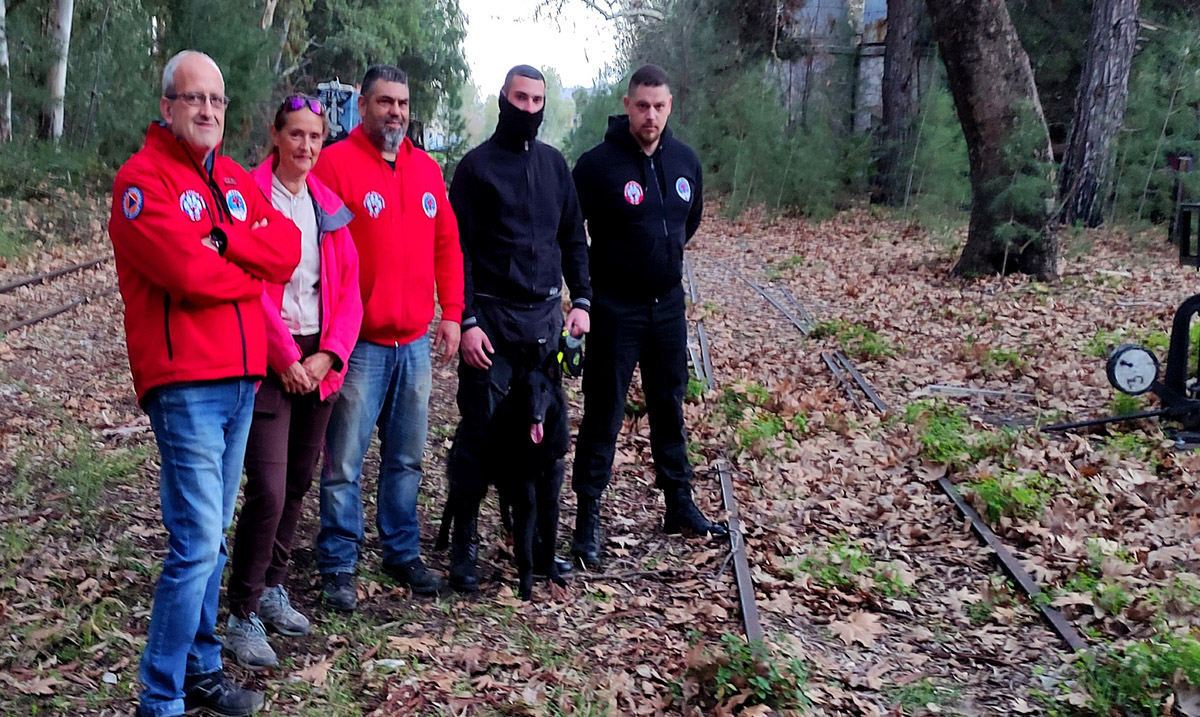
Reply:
x=341, y=301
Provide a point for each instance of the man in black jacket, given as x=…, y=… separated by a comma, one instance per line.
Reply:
x=640, y=192
x=521, y=234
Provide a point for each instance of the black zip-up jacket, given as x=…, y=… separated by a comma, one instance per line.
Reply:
x=640, y=210
x=519, y=225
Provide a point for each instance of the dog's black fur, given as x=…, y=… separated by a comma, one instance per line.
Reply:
x=528, y=474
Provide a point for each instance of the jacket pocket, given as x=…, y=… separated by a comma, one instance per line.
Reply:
x=167, y=326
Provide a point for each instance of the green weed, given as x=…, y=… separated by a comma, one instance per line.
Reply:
x=1012, y=495
x=947, y=438
x=855, y=340
x=761, y=429
x=695, y=389
x=749, y=668
x=921, y=694
x=1122, y=404
x=1138, y=677
x=997, y=360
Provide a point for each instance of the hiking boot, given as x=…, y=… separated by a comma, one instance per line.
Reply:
x=464, y=552
x=684, y=517
x=214, y=692
x=247, y=640
x=277, y=613
x=339, y=591
x=585, y=546
x=540, y=570
x=415, y=576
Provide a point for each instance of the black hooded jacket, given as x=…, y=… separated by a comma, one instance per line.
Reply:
x=640, y=210
x=519, y=224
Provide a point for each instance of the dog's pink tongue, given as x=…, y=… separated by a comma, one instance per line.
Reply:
x=537, y=432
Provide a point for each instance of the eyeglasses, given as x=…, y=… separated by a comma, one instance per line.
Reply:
x=196, y=99
x=297, y=102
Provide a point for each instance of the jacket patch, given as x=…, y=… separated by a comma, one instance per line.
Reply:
x=132, y=202
x=429, y=204
x=633, y=193
x=237, y=204
x=684, y=189
x=230, y=180
x=192, y=204
x=373, y=203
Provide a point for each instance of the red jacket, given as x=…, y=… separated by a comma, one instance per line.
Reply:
x=405, y=233
x=341, y=303
x=192, y=314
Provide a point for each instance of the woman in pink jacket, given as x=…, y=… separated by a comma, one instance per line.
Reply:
x=312, y=325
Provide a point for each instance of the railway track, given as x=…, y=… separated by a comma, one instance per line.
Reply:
x=851, y=380
x=32, y=299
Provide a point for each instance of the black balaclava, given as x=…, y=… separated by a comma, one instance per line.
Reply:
x=517, y=127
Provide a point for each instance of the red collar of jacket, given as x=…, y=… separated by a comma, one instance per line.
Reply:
x=160, y=139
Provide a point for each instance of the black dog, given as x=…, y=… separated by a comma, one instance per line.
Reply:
x=528, y=436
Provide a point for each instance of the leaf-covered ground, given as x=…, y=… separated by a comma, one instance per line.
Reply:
x=874, y=596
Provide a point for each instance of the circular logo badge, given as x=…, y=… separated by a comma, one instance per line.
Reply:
x=633, y=193
x=192, y=204
x=132, y=202
x=237, y=204
x=429, y=204
x=684, y=189
x=373, y=203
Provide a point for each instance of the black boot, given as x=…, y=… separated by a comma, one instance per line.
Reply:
x=464, y=550
x=586, y=544
x=684, y=517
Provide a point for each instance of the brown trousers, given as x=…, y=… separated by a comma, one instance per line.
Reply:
x=286, y=438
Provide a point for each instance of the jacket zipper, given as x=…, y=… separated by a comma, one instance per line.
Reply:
x=662, y=201
x=167, y=325
x=242, y=330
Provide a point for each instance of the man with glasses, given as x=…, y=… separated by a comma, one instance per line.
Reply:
x=407, y=241
x=194, y=241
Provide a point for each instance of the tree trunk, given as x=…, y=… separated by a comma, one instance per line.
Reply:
x=268, y=16
x=991, y=81
x=5, y=80
x=57, y=80
x=1099, y=110
x=901, y=67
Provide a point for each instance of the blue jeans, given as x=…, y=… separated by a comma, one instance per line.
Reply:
x=386, y=386
x=201, y=434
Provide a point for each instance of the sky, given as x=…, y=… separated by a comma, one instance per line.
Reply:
x=503, y=33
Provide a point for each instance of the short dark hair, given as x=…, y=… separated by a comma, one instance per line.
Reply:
x=382, y=73
x=529, y=71
x=649, y=76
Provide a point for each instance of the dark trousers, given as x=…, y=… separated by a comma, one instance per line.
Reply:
x=624, y=334
x=286, y=438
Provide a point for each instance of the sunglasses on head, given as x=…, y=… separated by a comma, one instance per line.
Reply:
x=297, y=102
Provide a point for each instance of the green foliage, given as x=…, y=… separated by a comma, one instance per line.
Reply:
x=938, y=167
x=1164, y=89
x=1123, y=404
x=921, y=694
x=997, y=359
x=592, y=109
x=946, y=436
x=749, y=669
x=695, y=389
x=1020, y=198
x=856, y=340
x=1140, y=676
x=1012, y=495
x=846, y=566
x=760, y=429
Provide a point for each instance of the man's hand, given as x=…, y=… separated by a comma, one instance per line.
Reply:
x=446, y=339
x=317, y=365
x=208, y=243
x=259, y=224
x=579, y=322
x=296, y=379
x=475, y=347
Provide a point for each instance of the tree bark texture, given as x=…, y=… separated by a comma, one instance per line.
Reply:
x=60, y=39
x=1099, y=110
x=901, y=68
x=5, y=80
x=990, y=79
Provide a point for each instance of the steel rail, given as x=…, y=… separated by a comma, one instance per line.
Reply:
x=49, y=275
x=55, y=311
x=841, y=377
x=862, y=382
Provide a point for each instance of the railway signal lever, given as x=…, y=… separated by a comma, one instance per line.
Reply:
x=1134, y=370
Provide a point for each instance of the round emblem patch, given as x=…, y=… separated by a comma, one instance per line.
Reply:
x=429, y=204
x=192, y=204
x=373, y=203
x=132, y=202
x=633, y=193
x=237, y=204
x=684, y=189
